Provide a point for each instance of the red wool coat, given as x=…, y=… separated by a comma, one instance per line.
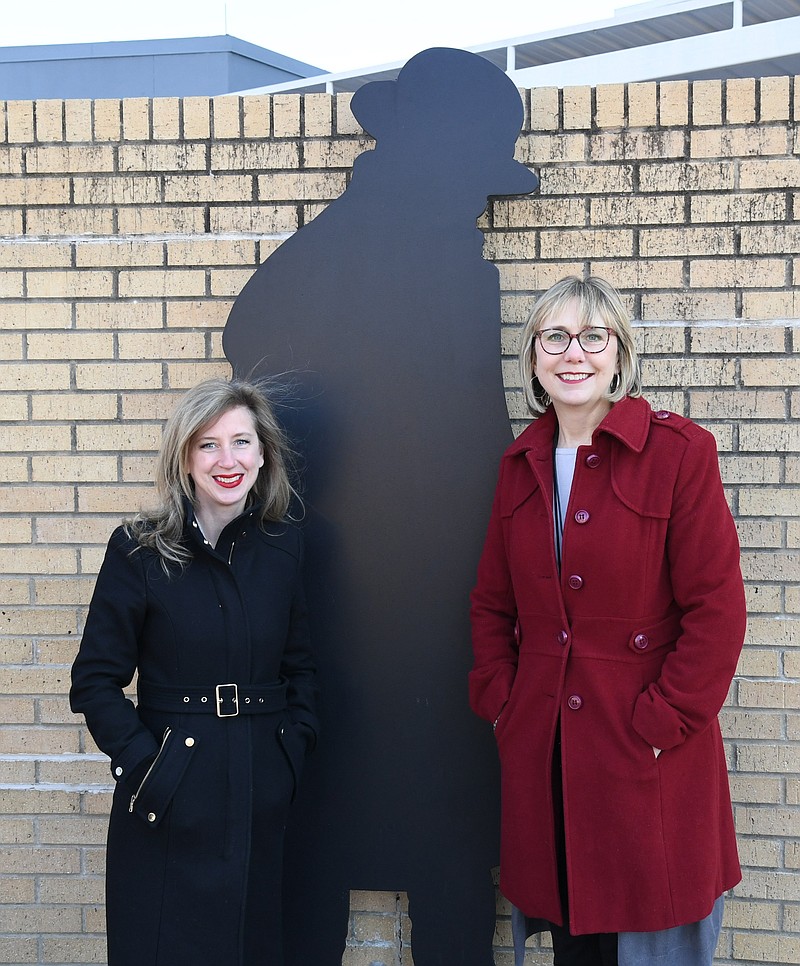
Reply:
x=634, y=646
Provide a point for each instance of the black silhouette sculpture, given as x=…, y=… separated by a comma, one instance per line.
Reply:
x=385, y=317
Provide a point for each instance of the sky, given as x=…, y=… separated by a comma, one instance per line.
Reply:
x=336, y=35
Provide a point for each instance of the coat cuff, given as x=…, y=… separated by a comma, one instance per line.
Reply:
x=657, y=722
x=142, y=747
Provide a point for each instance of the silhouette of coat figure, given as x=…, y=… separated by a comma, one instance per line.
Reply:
x=388, y=319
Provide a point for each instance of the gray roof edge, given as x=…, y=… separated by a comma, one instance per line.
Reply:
x=219, y=43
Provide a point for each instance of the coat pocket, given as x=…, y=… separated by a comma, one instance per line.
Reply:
x=152, y=798
x=294, y=746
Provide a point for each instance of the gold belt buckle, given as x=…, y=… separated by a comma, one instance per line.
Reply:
x=233, y=697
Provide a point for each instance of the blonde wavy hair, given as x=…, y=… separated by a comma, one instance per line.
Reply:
x=597, y=303
x=162, y=529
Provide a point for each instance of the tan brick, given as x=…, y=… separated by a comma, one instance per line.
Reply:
x=345, y=120
x=750, y=469
x=34, y=191
x=19, y=121
x=37, y=621
x=769, y=438
x=637, y=210
x=70, y=221
x=197, y=118
x=117, y=437
x=536, y=149
x=107, y=119
x=141, y=469
x=36, y=559
x=510, y=245
x=49, y=118
x=687, y=176
x=257, y=112
x=44, y=438
x=630, y=145
x=162, y=345
x=740, y=100
x=770, y=305
x=226, y=111
x=747, y=207
x=119, y=252
x=229, y=282
x=538, y=212
x=14, y=408
x=24, y=740
x=34, y=255
x=162, y=157
x=543, y=109
x=286, y=115
x=739, y=272
x=18, y=949
x=766, y=372
x=155, y=283
x=291, y=186
x=769, y=173
x=65, y=590
x=33, y=499
x=118, y=315
x=254, y=219
x=71, y=346
x=11, y=161
x=33, y=375
x=11, y=222
x=72, y=889
x=78, y=119
x=12, y=285
x=183, y=375
x=768, y=502
x=577, y=107
x=121, y=190
x=136, y=119
x=114, y=499
x=11, y=347
x=129, y=375
x=688, y=305
x=587, y=179
x=255, y=156
x=738, y=142
x=199, y=314
x=688, y=372
x=533, y=277
x=642, y=102
x=610, y=105
x=317, y=115
x=211, y=251
x=70, y=284
x=686, y=241
x=673, y=103
x=335, y=154
x=70, y=159
x=774, y=99
x=166, y=119
x=216, y=188
x=706, y=102
x=577, y=243
x=178, y=220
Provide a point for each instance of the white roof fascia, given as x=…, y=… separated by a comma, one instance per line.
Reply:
x=764, y=41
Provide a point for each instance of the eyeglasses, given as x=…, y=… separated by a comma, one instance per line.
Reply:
x=555, y=342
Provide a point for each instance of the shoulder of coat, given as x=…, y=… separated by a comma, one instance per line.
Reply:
x=284, y=535
x=674, y=423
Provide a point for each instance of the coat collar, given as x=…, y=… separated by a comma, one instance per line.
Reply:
x=628, y=421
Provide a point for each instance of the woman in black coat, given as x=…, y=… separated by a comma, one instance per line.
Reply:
x=203, y=598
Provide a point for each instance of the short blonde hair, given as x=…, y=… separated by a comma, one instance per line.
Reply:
x=162, y=529
x=595, y=300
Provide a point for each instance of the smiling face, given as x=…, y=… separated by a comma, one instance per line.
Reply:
x=223, y=460
x=577, y=381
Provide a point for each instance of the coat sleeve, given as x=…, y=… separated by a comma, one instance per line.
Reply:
x=494, y=621
x=297, y=664
x=703, y=560
x=107, y=660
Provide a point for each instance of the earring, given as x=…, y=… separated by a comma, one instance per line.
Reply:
x=614, y=384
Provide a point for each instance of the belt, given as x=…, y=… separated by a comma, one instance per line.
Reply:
x=223, y=700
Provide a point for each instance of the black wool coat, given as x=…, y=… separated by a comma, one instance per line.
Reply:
x=196, y=830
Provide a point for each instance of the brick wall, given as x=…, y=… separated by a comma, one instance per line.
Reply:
x=127, y=230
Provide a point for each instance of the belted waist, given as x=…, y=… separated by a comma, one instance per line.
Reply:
x=223, y=700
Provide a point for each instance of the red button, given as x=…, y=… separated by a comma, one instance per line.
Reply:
x=641, y=641
x=582, y=516
x=662, y=414
x=575, y=582
x=592, y=460
x=575, y=702
x=563, y=637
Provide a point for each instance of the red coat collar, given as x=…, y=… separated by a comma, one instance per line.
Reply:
x=628, y=421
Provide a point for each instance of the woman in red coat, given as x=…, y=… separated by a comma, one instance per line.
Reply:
x=608, y=618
